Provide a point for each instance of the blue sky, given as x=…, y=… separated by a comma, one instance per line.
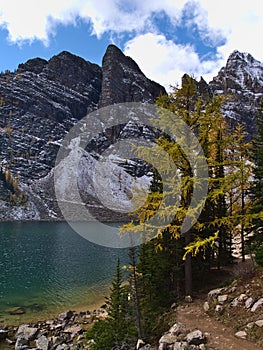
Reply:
x=165, y=37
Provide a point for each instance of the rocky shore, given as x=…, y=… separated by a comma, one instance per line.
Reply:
x=66, y=332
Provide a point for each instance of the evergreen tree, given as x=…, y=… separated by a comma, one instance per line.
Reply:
x=119, y=327
x=257, y=190
x=204, y=119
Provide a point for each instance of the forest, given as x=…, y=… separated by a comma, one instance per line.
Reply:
x=174, y=265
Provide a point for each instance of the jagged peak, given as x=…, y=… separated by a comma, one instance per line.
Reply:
x=67, y=56
x=243, y=57
x=34, y=65
x=116, y=55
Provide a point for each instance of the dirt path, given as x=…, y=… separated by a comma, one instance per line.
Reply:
x=220, y=337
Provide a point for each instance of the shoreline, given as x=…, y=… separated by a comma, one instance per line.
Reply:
x=65, y=329
x=14, y=320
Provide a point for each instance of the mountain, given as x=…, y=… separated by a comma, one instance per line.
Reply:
x=42, y=100
x=39, y=104
x=242, y=81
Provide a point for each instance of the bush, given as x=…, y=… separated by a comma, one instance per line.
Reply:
x=102, y=334
x=259, y=255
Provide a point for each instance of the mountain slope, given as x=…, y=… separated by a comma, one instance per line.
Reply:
x=42, y=100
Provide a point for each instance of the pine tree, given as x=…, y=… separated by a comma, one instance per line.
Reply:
x=214, y=226
x=257, y=190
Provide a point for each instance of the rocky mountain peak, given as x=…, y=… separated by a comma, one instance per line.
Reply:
x=35, y=65
x=123, y=81
x=242, y=81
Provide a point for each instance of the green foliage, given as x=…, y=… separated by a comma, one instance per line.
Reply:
x=259, y=254
x=257, y=188
x=102, y=333
x=119, y=327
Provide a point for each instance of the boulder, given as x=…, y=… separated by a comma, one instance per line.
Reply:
x=182, y=345
x=168, y=339
x=218, y=308
x=241, y=334
x=21, y=344
x=206, y=306
x=222, y=298
x=195, y=338
x=249, y=302
x=257, y=305
x=259, y=323
x=213, y=294
x=65, y=315
x=42, y=343
x=26, y=332
x=242, y=297
x=177, y=329
x=234, y=302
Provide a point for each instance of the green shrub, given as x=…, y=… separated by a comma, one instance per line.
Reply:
x=259, y=255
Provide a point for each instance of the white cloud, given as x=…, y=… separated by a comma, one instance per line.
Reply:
x=166, y=62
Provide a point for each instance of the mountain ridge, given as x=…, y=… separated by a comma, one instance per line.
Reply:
x=43, y=99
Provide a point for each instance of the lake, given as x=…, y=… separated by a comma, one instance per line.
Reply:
x=47, y=268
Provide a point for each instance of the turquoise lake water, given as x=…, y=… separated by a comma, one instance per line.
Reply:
x=46, y=268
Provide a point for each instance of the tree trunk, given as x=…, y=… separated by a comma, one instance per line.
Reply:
x=188, y=267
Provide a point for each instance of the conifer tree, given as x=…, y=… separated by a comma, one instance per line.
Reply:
x=204, y=118
x=257, y=189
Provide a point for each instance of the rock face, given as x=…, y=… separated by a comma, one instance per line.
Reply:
x=42, y=100
x=123, y=81
x=242, y=80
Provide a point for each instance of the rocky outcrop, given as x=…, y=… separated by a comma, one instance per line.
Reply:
x=123, y=81
x=241, y=80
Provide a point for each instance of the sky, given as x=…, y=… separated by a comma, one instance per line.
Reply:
x=167, y=38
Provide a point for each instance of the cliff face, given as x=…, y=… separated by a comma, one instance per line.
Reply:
x=123, y=81
x=242, y=80
x=42, y=100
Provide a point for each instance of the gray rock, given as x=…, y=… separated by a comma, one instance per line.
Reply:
x=250, y=325
x=259, y=323
x=26, y=332
x=234, y=302
x=65, y=315
x=140, y=344
x=21, y=344
x=63, y=347
x=218, y=308
x=42, y=343
x=177, y=329
x=168, y=339
x=257, y=305
x=146, y=347
x=182, y=345
x=73, y=330
x=206, y=306
x=242, y=297
x=241, y=334
x=249, y=302
x=213, y=294
x=195, y=338
x=222, y=298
